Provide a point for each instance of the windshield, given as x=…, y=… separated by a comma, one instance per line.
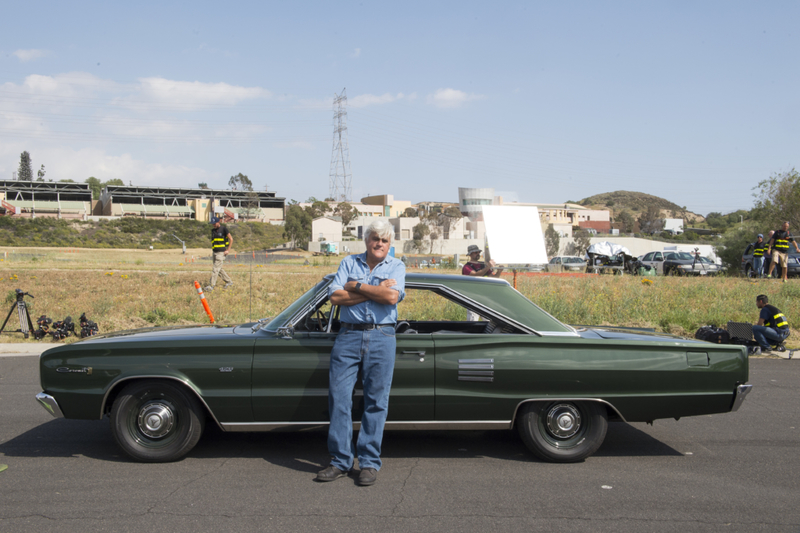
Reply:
x=679, y=256
x=573, y=260
x=298, y=304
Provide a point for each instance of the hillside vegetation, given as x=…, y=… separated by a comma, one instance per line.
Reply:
x=132, y=233
x=637, y=203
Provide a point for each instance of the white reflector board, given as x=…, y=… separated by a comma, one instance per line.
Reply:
x=514, y=235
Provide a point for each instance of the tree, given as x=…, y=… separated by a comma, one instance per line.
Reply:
x=25, y=173
x=297, y=225
x=419, y=232
x=95, y=185
x=347, y=212
x=203, y=185
x=552, y=240
x=650, y=221
x=410, y=212
x=318, y=208
x=778, y=199
x=625, y=219
x=40, y=174
x=582, y=241
x=240, y=182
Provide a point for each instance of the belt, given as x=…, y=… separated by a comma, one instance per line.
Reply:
x=364, y=327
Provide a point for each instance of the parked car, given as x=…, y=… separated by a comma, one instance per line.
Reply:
x=680, y=263
x=748, y=269
x=569, y=263
x=519, y=368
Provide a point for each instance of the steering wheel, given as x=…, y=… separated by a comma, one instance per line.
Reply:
x=402, y=327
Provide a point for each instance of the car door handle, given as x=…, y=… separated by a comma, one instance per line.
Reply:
x=420, y=353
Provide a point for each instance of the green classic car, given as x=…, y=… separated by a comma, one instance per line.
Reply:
x=518, y=367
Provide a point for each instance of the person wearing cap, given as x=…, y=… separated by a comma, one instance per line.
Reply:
x=367, y=288
x=759, y=249
x=474, y=267
x=221, y=243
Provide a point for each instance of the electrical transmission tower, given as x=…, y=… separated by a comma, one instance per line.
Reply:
x=340, y=176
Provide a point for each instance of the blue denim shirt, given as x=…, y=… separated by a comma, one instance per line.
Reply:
x=355, y=268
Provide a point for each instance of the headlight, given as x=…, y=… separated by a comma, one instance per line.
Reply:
x=685, y=267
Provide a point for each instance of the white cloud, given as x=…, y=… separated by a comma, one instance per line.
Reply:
x=364, y=100
x=195, y=94
x=69, y=84
x=29, y=55
x=356, y=52
x=451, y=98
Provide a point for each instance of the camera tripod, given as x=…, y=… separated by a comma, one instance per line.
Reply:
x=25, y=324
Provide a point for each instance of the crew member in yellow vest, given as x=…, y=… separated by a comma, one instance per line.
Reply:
x=221, y=243
x=779, y=246
x=759, y=249
x=772, y=327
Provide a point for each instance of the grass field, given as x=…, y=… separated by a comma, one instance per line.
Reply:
x=125, y=289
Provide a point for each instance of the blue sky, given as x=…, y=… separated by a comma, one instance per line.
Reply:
x=695, y=102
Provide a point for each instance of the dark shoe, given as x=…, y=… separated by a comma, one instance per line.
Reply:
x=367, y=477
x=330, y=474
x=766, y=351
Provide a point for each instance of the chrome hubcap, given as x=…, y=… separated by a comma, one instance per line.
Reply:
x=156, y=420
x=563, y=421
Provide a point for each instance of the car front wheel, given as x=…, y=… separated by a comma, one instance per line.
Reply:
x=156, y=421
x=563, y=431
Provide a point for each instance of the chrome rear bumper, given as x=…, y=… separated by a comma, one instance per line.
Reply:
x=50, y=404
x=741, y=392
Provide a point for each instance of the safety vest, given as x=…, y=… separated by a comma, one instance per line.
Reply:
x=781, y=244
x=759, y=249
x=219, y=240
x=778, y=319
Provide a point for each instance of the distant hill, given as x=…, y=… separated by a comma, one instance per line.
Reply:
x=636, y=203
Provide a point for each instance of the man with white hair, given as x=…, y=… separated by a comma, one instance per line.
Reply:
x=367, y=287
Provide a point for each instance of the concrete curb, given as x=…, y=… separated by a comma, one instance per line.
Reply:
x=25, y=348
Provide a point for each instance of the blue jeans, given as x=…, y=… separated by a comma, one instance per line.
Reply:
x=372, y=352
x=758, y=266
x=766, y=336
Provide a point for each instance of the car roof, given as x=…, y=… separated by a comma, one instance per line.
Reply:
x=495, y=293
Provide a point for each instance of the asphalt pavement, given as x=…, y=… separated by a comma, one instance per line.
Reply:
x=732, y=472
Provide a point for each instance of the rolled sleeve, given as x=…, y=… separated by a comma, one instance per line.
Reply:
x=341, y=276
x=398, y=273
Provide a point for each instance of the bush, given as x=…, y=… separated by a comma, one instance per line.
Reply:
x=732, y=245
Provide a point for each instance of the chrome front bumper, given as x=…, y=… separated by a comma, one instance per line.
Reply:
x=50, y=404
x=741, y=392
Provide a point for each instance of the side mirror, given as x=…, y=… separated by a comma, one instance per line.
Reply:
x=286, y=333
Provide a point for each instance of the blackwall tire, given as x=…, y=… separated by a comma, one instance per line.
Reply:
x=156, y=421
x=562, y=431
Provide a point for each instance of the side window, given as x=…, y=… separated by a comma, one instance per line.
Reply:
x=657, y=257
x=424, y=305
x=648, y=257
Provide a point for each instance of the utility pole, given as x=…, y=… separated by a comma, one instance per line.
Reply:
x=340, y=175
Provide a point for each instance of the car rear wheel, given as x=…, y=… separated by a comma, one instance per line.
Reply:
x=156, y=421
x=563, y=431
x=749, y=272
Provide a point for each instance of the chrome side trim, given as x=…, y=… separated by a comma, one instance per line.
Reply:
x=50, y=404
x=239, y=427
x=462, y=377
x=474, y=361
x=598, y=400
x=741, y=392
x=171, y=378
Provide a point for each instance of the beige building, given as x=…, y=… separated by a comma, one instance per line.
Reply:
x=326, y=229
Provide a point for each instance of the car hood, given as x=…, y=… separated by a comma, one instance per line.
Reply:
x=158, y=333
